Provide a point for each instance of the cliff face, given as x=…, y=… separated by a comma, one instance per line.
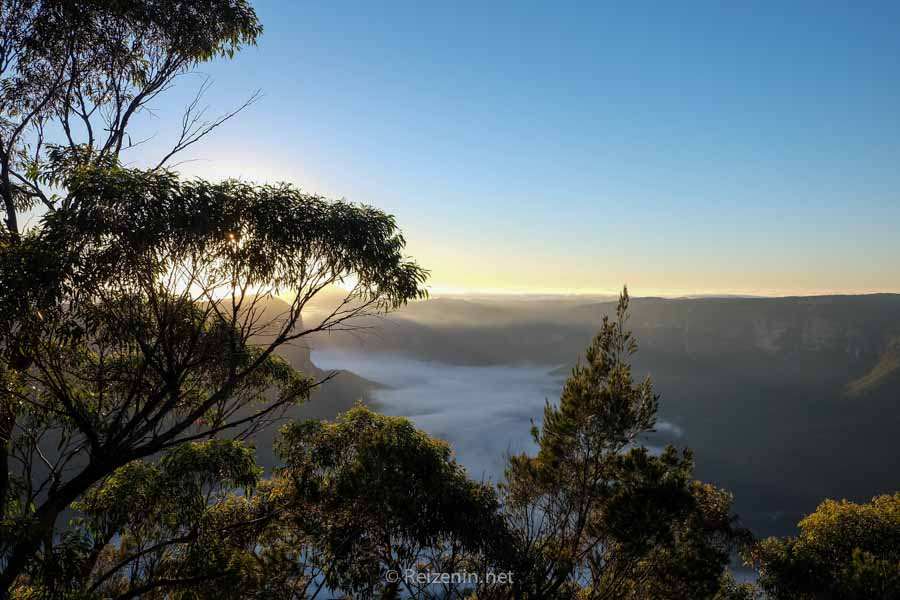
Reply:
x=833, y=325
x=785, y=401
x=838, y=337
x=884, y=376
x=849, y=342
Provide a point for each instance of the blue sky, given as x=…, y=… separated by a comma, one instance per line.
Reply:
x=678, y=147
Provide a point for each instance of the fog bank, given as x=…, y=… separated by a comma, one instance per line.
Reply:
x=484, y=412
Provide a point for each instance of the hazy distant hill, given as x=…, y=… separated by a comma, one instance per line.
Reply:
x=338, y=394
x=785, y=400
x=837, y=335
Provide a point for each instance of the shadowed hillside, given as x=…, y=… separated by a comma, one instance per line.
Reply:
x=884, y=375
x=785, y=400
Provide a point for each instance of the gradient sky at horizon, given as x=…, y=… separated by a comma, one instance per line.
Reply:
x=555, y=147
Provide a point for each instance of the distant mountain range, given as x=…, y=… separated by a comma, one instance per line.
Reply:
x=855, y=337
x=785, y=400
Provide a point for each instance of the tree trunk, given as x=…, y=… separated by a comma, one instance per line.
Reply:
x=44, y=520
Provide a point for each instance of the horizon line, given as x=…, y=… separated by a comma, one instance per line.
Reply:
x=639, y=292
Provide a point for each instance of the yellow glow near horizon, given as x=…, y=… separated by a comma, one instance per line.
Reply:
x=465, y=262
x=642, y=292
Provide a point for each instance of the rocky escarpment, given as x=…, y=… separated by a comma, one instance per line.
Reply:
x=885, y=374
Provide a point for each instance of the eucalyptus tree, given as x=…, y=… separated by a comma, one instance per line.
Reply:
x=361, y=506
x=154, y=529
x=842, y=550
x=75, y=75
x=143, y=322
x=138, y=312
x=380, y=508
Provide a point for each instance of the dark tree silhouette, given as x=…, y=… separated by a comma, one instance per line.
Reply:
x=596, y=514
x=74, y=76
x=135, y=310
x=844, y=550
x=143, y=324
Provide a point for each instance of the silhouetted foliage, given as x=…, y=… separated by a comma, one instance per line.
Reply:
x=374, y=494
x=146, y=326
x=354, y=499
x=75, y=74
x=844, y=551
x=136, y=309
x=599, y=516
